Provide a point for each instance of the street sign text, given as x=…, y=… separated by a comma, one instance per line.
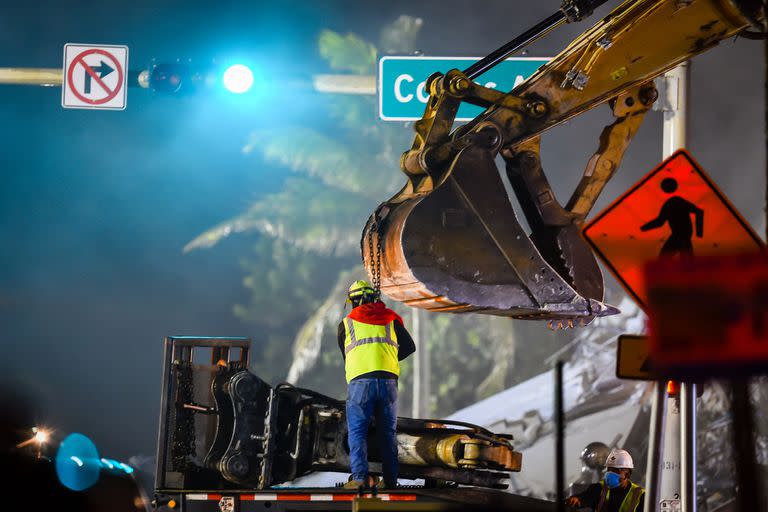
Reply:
x=402, y=80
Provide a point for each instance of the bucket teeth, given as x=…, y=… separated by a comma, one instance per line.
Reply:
x=569, y=323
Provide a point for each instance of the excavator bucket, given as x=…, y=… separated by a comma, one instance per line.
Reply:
x=450, y=239
x=461, y=249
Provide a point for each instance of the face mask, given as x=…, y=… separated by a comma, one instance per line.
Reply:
x=612, y=480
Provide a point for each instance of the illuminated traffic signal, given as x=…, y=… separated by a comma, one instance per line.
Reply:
x=238, y=78
x=181, y=77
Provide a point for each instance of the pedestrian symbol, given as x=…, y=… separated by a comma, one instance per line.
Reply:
x=677, y=213
x=94, y=77
x=674, y=211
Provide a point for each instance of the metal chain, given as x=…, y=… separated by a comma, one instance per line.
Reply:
x=375, y=257
x=370, y=248
x=183, y=445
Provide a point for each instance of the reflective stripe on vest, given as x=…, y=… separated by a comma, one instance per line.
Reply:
x=628, y=504
x=369, y=348
x=354, y=342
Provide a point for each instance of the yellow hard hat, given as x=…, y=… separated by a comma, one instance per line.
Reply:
x=359, y=289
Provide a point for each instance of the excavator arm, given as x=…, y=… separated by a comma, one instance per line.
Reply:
x=450, y=239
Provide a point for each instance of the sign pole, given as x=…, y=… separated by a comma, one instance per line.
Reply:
x=675, y=106
x=675, y=137
x=688, y=445
x=655, y=446
x=52, y=77
x=677, y=87
x=673, y=435
x=31, y=76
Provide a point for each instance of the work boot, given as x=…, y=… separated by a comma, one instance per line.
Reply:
x=353, y=484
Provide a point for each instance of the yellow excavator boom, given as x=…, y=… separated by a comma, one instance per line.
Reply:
x=450, y=239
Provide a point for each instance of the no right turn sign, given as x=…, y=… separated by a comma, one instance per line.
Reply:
x=95, y=76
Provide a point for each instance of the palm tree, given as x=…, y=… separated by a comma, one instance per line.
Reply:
x=309, y=243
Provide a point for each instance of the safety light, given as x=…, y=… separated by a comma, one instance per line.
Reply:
x=238, y=78
x=673, y=388
x=41, y=436
x=78, y=464
x=115, y=467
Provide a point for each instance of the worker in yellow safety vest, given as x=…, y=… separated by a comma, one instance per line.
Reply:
x=615, y=492
x=372, y=340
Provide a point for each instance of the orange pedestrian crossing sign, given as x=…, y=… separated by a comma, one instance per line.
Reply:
x=677, y=211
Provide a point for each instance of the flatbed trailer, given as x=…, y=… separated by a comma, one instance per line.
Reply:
x=331, y=499
x=227, y=442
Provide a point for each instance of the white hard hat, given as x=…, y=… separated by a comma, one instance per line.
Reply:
x=620, y=459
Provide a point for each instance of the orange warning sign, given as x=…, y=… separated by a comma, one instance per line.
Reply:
x=676, y=211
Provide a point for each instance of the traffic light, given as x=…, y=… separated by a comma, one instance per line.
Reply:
x=238, y=78
x=175, y=78
x=182, y=77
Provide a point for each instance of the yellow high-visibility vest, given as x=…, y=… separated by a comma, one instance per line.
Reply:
x=630, y=501
x=369, y=348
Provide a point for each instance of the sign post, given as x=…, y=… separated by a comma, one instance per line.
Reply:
x=95, y=77
x=675, y=135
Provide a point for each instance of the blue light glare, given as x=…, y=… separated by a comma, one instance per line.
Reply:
x=77, y=462
x=238, y=78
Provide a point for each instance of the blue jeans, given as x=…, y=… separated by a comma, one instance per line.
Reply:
x=369, y=398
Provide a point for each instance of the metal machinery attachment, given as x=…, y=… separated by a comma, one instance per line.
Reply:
x=222, y=427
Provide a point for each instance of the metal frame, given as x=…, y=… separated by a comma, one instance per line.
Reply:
x=182, y=348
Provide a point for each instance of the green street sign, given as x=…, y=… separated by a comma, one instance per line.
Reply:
x=402, y=79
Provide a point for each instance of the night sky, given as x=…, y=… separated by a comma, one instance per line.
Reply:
x=96, y=206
